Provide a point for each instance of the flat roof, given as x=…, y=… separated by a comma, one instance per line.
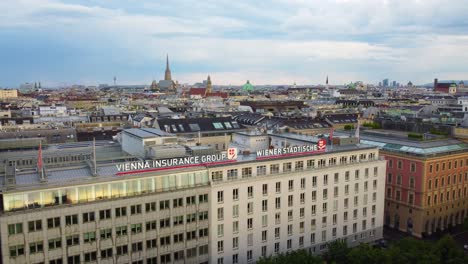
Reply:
x=147, y=132
x=28, y=179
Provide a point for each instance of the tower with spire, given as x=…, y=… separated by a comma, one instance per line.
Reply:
x=209, y=88
x=167, y=73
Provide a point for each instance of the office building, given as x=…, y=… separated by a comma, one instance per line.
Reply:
x=228, y=207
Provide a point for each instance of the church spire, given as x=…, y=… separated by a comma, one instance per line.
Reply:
x=209, y=88
x=167, y=74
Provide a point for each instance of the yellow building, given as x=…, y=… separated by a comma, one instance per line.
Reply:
x=4, y=94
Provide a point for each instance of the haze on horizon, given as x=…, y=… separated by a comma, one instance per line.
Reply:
x=275, y=42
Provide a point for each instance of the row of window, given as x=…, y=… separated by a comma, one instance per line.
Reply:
x=456, y=164
x=246, y=172
x=439, y=198
x=313, y=222
x=450, y=180
x=54, y=222
x=92, y=256
x=89, y=237
x=249, y=255
x=250, y=189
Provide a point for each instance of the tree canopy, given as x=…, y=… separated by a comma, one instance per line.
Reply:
x=408, y=250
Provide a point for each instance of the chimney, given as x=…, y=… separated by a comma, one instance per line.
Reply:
x=435, y=83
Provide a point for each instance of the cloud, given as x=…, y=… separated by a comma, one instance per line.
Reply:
x=279, y=40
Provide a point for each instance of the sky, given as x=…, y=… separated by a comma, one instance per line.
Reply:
x=267, y=42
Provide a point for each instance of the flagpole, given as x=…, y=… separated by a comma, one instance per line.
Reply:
x=94, y=155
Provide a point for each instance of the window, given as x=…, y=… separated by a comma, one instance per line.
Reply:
x=106, y=253
x=190, y=200
x=104, y=214
x=235, y=259
x=16, y=251
x=178, y=220
x=122, y=250
x=106, y=233
x=220, y=246
x=264, y=205
x=179, y=202
x=121, y=231
x=246, y=172
x=235, y=227
x=217, y=176
x=166, y=258
x=55, y=243
x=203, y=198
x=277, y=232
x=232, y=174
x=325, y=179
x=36, y=247
x=137, y=228
x=179, y=255
x=235, y=242
x=73, y=240
x=249, y=255
x=73, y=259
x=413, y=167
x=89, y=237
x=137, y=246
x=249, y=223
x=265, y=189
x=203, y=216
x=250, y=192
x=299, y=165
x=220, y=196
x=165, y=241
x=220, y=230
x=278, y=187
x=220, y=213
x=35, y=225
x=314, y=181
x=287, y=167
x=88, y=217
x=235, y=210
x=90, y=256
x=15, y=228
x=53, y=222
x=136, y=209
x=120, y=211
x=261, y=170
x=165, y=223
x=290, y=200
x=190, y=218
x=274, y=168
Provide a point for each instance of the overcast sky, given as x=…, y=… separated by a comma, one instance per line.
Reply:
x=266, y=42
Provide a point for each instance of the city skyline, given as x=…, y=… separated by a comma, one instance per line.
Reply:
x=281, y=42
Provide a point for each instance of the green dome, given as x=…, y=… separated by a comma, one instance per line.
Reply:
x=247, y=87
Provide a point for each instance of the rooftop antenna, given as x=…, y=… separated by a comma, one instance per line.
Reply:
x=94, y=156
x=40, y=167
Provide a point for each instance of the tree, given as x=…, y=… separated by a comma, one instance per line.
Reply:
x=295, y=257
x=337, y=252
x=449, y=251
x=364, y=253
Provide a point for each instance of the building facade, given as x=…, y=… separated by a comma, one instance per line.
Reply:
x=223, y=212
x=426, y=184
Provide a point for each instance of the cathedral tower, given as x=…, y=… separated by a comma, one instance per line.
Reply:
x=167, y=74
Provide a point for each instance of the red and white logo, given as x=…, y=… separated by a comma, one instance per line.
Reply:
x=321, y=145
x=232, y=153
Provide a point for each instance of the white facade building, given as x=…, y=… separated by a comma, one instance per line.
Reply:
x=234, y=211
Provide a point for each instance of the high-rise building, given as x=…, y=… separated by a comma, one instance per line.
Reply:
x=385, y=83
x=214, y=208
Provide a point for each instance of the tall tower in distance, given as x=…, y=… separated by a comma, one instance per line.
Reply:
x=209, y=88
x=167, y=74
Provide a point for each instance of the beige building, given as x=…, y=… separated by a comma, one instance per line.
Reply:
x=6, y=94
x=234, y=211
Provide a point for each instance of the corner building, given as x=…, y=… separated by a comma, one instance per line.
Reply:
x=234, y=212
x=426, y=184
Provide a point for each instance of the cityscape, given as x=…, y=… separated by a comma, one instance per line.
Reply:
x=132, y=133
